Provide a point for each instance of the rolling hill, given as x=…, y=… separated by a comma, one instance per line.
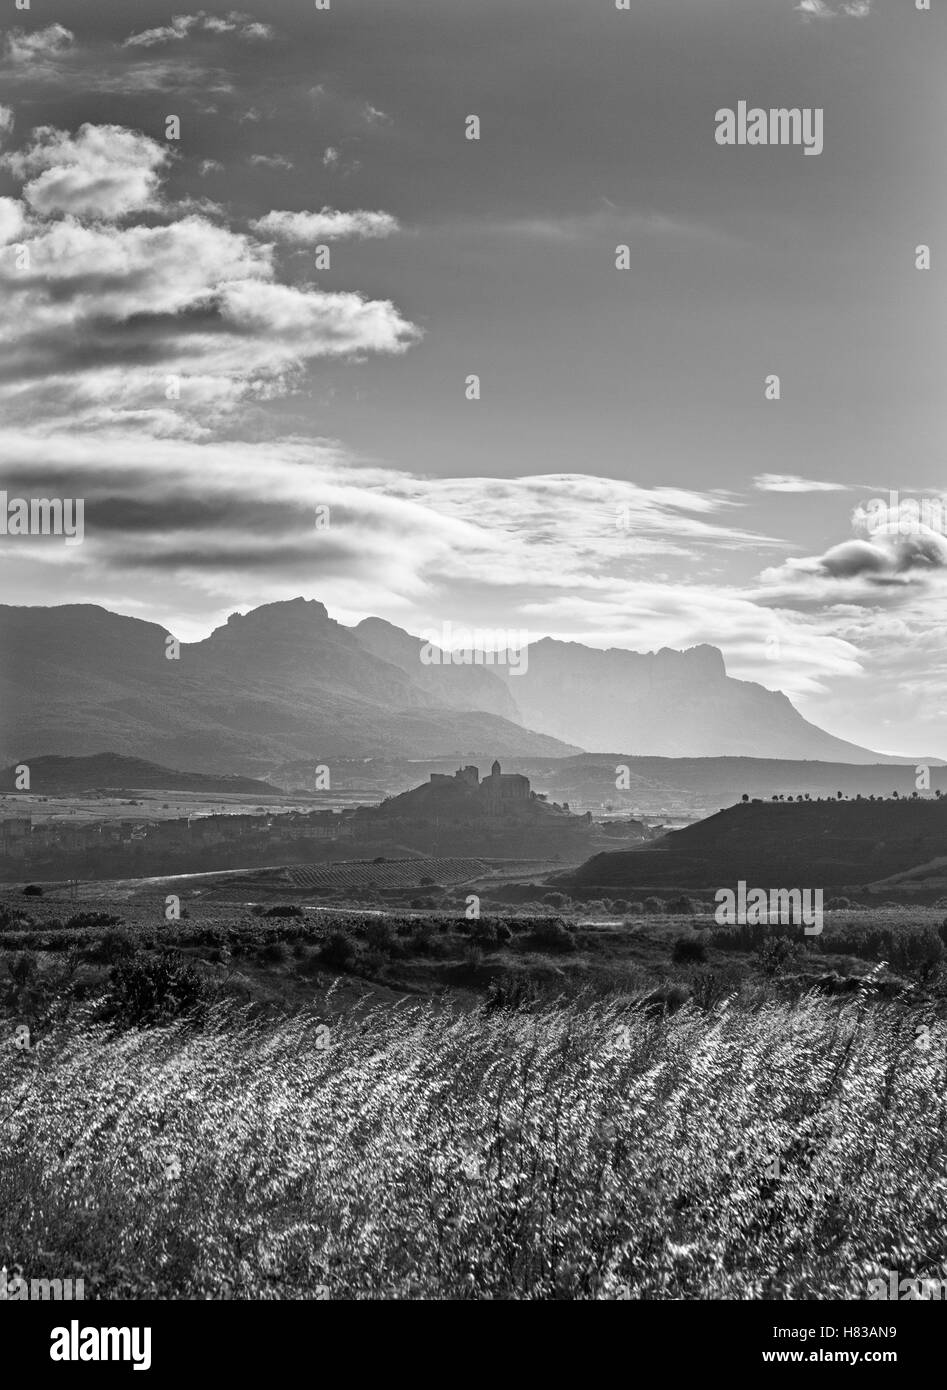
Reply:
x=816, y=844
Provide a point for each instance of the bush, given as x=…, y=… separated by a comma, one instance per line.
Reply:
x=339, y=950
x=652, y=905
x=92, y=919
x=148, y=990
x=555, y=899
x=553, y=935
x=32, y=890
x=116, y=946
x=380, y=937
x=517, y=992
x=681, y=905
x=687, y=951
x=284, y=910
x=275, y=952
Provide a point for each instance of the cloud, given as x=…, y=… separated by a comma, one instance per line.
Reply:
x=183, y=26
x=6, y=120
x=373, y=116
x=790, y=482
x=271, y=161
x=12, y=220
x=873, y=570
x=183, y=522
x=52, y=56
x=819, y=9
x=25, y=46
x=100, y=172
x=306, y=227
x=330, y=157
x=172, y=326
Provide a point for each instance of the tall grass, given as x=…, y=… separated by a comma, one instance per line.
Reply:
x=578, y=1151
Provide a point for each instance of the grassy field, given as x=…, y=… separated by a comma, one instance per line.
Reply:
x=322, y=1106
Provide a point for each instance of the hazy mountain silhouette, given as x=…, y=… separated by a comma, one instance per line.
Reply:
x=284, y=681
x=287, y=682
x=667, y=703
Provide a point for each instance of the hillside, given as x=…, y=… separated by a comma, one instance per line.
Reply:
x=282, y=682
x=816, y=844
x=285, y=682
x=52, y=776
x=668, y=703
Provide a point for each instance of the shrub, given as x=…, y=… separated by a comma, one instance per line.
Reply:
x=380, y=937
x=284, y=910
x=339, y=950
x=116, y=946
x=553, y=935
x=652, y=905
x=516, y=991
x=148, y=990
x=775, y=953
x=32, y=890
x=92, y=919
x=555, y=899
x=681, y=904
x=275, y=952
x=687, y=951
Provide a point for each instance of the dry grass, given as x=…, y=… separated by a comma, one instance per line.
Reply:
x=583, y=1151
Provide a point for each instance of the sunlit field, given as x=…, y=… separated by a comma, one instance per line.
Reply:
x=752, y=1149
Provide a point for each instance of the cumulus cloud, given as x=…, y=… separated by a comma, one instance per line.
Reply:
x=12, y=220
x=790, y=482
x=28, y=46
x=303, y=228
x=100, y=172
x=6, y=120
x=109, y=323
x=880, y=567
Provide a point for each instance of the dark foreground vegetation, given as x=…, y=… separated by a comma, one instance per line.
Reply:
x=239, y=1104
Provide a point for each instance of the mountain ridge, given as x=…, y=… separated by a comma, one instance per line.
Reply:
x=286, y=681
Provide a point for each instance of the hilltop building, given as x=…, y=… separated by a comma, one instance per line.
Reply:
x=496, y=791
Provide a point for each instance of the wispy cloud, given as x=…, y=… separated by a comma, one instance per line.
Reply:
x=790, y=482
x=304, y=228
x=183, y=26
x=819, y=9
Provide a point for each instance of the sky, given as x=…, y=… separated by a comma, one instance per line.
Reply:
x=245, y=423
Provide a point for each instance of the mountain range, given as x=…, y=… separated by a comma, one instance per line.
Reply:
x=285, y=681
